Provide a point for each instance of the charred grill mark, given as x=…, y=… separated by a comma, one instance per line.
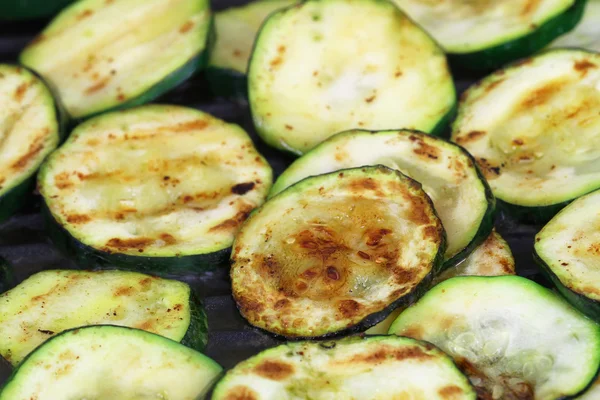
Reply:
x=46, y=332
x=424, y=150
x=243, y=188
x=78, y=218
x=34, y=149
x=542, y=95
x=349, y=308
x=385, y=353
x=97, y=86
x=490, y=171
x=233, y=223
x=470, y=137
x=124, y=291
x=374, y=237
x=186, y=27
x=127, y=244
x=274, y=370
x=241, y=393
x=583, y=66
x=20, y=91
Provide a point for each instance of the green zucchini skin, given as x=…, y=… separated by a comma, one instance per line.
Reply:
x=532, y=215
x=196, y=336
x=88, y=257
x=30, y=9
x=587, y=306
x=490, y=59
x=7, y=277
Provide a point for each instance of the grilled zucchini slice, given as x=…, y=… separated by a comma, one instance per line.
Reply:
x=336, y=252
x=491, y=258
x=326, y=66
x=103, y=55
x=30, y=128
x=534, y=130
x=110, y=362
x=568, y=251
x=352, y=368
x=586, y=34
x=156, y=188
x=236, y=29
x=460, y=194
x=514, y=338
x=50, y=302
x=484, y=35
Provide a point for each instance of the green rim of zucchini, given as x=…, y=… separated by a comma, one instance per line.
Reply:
x=336, y=253
x=30, y=9
x=355, y=367
x=531, y=129
x=586, y=34
x=51, y=302
x=107, y=361
x=308, y=77
x=479, y=36
x=32, y=124
x=459, y=192
x=493, y=257
x=113, y=66
x=567, y=250
x=236, y=29
x=513, y=338
x=172, y=211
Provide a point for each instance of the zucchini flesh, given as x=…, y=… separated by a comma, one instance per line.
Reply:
x=336, y=252
x=460, y=195
x=110, y=362
x=50, y=302
x=491, y=258
x=512, y=337
x=568, y=250
x=383, y=367
x=29, y=131
x=97, y=64
x=154, y=182
x=586, y=34
x=533, y=129
x=327, y=66
x=501, y=30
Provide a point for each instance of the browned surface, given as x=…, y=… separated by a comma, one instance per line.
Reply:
x=450, y=392
x=489, y=170
x=470, y=137
x=384, y=353
x=241, y=393
x=542, y=95
x=583, y=66
x=274, y=370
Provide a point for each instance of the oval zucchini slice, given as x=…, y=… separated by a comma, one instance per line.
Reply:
x=491, y=258
x=484, y=35
x=512, y=337
x=236, y=29
x=382, y=367
x=460, y=194
x=336, y=252
x=110, y=362
x=97, y=64
x=568, y=251
x=155, y=188
x=30, y=128
x=326, y=66
x=586, y=34
x=533, y=129
x=50, y=302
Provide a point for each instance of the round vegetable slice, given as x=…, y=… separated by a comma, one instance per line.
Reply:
x=236, y=29
x=460, y=194
x=512, y=337
x=325, y=66
x=352, y=368
x=491, y=258
x=30, y=128
x=533, y=129
x=483, y=35
x=336, y=252
x=155, y=188
x=586, y=34
x=109, y=362
x=568, y=251
x=97, y=64
x=50, y=302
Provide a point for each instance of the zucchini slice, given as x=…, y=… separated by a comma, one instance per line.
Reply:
x=491, y=258
x=484, y=35
x=460, y=194
x=7, y=276
x=236, y=28
x=111, y=362
x=533, y=129
x=30, y=128
x=50, y=302
x=336, y=252
x=586, y=34
x=155, y=188
x=30, y=9
x=514, y=338
x=326, y=66
x=105, y=54
x=568, y=251
x=351, y=368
